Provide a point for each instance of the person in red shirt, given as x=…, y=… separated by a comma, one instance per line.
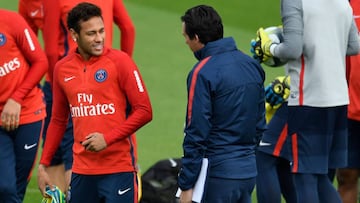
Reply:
x=32, y=11
x=58, y=41
x=348, y=177
x=95, y=85
x=49, y=16
x=22, y=65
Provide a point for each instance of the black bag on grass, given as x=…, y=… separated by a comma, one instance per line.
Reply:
x=159, y=182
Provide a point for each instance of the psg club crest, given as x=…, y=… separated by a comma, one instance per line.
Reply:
x=2, y=39
x=101, y=75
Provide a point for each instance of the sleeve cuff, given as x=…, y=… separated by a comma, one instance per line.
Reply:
x=272, y=48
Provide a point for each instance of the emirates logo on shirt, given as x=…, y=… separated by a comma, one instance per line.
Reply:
x=86, y=107
x=10, y=66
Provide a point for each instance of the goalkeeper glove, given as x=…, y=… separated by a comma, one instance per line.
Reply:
x=269, y=112
x=265, y=42
x=255, y=46
x=277, y=91
x=260, y=47
x=55, y=195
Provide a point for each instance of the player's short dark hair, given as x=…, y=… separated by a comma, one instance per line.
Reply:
x=204, y=21
x=80, y=13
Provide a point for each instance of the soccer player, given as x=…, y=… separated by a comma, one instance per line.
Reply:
x=33, y=13
x=317, y=105
x=22, y=65
x=348, y=177
x=58, y=43
x=225, y=112
x=94, y=85
x=273, y=155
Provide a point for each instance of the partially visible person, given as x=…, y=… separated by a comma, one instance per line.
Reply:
x=272, y=155
x=22, y=65
x=58, y=43
x=103, y=150
x=347, y=177
x=317, y=105
x=33, y=13
x=225, y=115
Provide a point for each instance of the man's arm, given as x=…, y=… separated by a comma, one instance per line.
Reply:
x=291, y=47
x=126, y=26
x=31, y=49
x=197, y=128
x=58, y=122
x=131, y=82
x=51, y=33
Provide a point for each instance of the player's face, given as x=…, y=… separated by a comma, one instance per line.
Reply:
x=91, y=37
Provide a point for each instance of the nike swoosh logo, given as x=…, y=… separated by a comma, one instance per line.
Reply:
x=27, y=147
x=121, y=192
x=33, y=13
x=173, y=163
x=69, y=78
x=264, y=143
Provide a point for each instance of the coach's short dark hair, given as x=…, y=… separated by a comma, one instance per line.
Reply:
x=204, y=21
x=80, y=13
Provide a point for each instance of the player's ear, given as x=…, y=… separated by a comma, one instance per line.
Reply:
x=74, y=35
x=196, y=37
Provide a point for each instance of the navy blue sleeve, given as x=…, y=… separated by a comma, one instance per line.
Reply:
x=197, y=129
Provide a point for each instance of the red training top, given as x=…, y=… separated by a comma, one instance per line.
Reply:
x=96, y=93
x=354, y=72
x=22, y=65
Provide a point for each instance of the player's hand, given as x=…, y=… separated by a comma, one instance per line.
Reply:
x=10, y=115
x=277, y=91
x=256, y=50
x=43, y=180
x=265, y=42
x=260, y=47
x=94, y=142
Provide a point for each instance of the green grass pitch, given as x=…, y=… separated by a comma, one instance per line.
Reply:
x=165, y=60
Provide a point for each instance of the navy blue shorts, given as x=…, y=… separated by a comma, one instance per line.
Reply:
x=274, y=140
x=109, y=188
x=318, y=138
x=354, y=144
x=18, y=151
x=64, y=154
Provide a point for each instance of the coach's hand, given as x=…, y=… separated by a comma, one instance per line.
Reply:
x=43, y=180
x=278, y=91
x=94, y=142
x=186, y=196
